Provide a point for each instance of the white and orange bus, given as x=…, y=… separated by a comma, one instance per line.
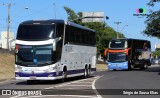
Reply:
x=126, y=54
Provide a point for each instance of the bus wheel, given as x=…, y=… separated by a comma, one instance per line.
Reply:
x=64, y=76
x=145, y=66
x=131, y=67
x=85, y=72
x=89, y=71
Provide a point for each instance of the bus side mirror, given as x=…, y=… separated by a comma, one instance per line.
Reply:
x=55, y=43
x=58, y=39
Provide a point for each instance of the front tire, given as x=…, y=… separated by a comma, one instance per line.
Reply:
x=131, y=67
x=144, y=66
x=64, y=76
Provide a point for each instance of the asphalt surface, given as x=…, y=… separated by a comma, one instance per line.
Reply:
x=121, y=82
x=106, y=84
x=77, y=87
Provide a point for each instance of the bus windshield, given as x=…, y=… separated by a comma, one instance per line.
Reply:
x=118, y=44
x=116, y=57
x=34, y=55
x=35, y=32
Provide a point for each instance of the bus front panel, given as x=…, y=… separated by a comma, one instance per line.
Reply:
x=117, y=60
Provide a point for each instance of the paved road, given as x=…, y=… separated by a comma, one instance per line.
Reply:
x=73, y=88
x=85, y=88
x=136, y=79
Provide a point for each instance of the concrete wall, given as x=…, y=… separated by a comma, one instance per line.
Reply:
x=4, y=38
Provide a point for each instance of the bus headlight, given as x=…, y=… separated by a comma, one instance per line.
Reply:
x=125, y=63
x=51, y=75
x=51, y=69
x=16, y=75
x=18, y=68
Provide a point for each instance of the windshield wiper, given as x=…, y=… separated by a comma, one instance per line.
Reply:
x=48, y=62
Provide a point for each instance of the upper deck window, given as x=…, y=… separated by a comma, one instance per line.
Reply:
x=35, y=32
x=118, y=44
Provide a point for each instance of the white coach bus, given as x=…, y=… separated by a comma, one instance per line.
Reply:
x=54, y=49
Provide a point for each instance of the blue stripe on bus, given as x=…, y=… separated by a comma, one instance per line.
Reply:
x=70, y=72
x=93, y=69
x=21, y=74
x=54, y=74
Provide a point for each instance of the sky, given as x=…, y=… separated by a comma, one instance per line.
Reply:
x=116, y=10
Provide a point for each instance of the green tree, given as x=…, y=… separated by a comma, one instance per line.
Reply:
x=152, y=2
x=104, y=33
x=71, y=14
x=153, y=25
x=156, y=54
x=153, y=22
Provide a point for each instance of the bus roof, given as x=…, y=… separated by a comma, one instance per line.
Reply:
x=54, y=21
x=129, y=39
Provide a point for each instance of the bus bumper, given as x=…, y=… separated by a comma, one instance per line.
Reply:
x=117, y=66
x=39, y=76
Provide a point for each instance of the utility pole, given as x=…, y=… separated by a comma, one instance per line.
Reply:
x=8, y=22
x=123, y=28
x=117, y=23
x=54, y=9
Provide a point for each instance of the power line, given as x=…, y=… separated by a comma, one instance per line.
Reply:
x=20, y=10
x=117, y=23
x=36, y=12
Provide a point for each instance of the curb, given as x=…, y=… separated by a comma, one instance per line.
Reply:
x=1, y=80
x=5, y=80
x=98, y=70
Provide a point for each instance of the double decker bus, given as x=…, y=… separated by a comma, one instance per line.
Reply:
x=127, y=54
x=54, y=49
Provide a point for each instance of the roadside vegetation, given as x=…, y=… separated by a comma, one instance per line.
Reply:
x=6, y=66
x=156, y=54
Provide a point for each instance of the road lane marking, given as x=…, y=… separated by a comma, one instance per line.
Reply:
x=81, y=96
x=77, y=85
x=16, y=96
x=86, y=82
x=94, y=88
x=90, y=79
x=69, y=83
x=49, y=87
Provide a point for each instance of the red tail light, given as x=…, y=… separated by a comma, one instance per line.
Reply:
x=17, y=47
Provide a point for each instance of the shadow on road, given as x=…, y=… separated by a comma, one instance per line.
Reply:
x=154, y=69
x=49, y=82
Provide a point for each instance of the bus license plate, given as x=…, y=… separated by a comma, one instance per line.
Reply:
x=33, y=77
